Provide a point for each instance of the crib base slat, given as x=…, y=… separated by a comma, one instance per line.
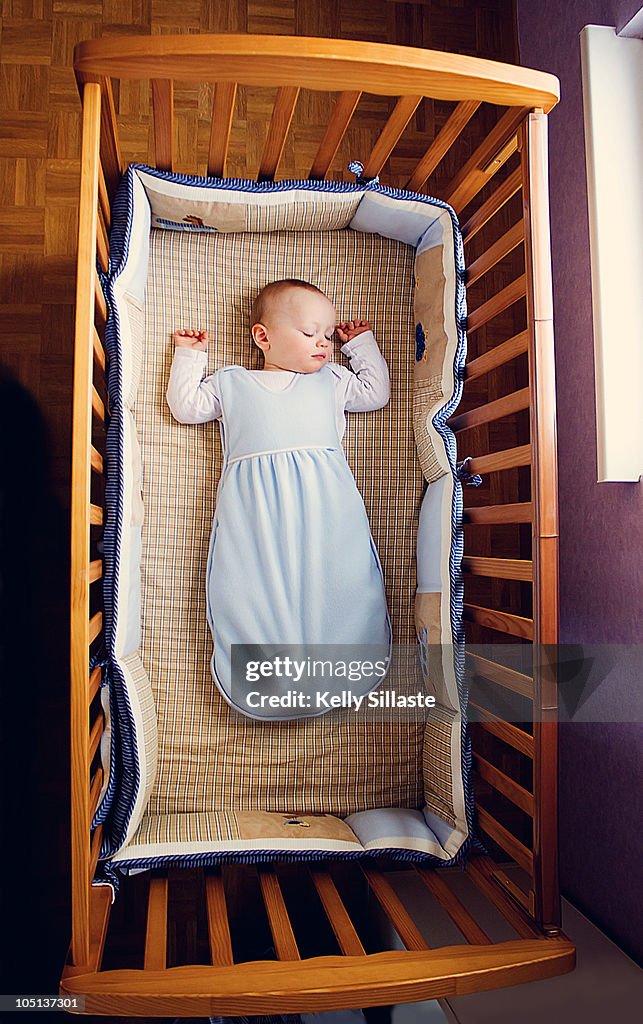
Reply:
x=280, y=926
x=323, y=979
x=156, y=934
x=339, y=919
x=395, y=910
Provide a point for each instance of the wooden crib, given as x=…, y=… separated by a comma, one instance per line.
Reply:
x=511, y=585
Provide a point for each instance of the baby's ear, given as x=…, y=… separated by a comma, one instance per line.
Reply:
x=260, y=337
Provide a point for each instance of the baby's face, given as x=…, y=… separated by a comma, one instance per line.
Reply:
x=298, y=331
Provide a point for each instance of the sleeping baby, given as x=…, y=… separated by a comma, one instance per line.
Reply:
x=291, y=558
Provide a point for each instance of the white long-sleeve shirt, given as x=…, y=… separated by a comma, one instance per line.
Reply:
x=365, y=387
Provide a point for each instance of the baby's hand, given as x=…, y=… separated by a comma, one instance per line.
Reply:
x=349, y=329
x=191, y=339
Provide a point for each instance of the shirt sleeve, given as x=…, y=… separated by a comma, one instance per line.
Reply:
x=366, y=386
x=192, y=398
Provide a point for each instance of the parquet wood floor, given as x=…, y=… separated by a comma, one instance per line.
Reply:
x=40, y=140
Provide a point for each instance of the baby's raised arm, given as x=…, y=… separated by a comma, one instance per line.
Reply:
x=366, y=385
x=192, y=399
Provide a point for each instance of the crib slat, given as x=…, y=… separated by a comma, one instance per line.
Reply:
x=495, y=410
x=497, y=356
x=510, y=458
x=98, y=407
x=456, y=910
x=503, y=784
x=394, y=909
x=156, y=928
x=487, y=159
x=345, y=107
x=95, y=851
x=516, y=513
x=103, y=198
x=442, y=143
x=397, y=122
x=95, y=570
x=218, y=924
x=496, y=252
x=163, y=111
x=102, y=245
x=95, y=515
x=94, y=792
x=484, y=874
x=491, y=206
x=94, y=737
x=96, y=460
x=280, y=926
x=499, y=568
x=95, y=626
x=282, y=113
x=504, y=622
x=343, y=928
x=100, y=306
x=512, y=680
x=110, y=151
x=502, y=300
x=516, y=738
x=95, y=680
x=504, y=838
x=510, y=147
x=225, y=95
x=98, y=350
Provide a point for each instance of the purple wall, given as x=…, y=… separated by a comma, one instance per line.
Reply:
x=601, y=525
x=619, y=12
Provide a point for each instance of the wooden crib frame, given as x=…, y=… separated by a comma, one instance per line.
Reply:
x=355, y=978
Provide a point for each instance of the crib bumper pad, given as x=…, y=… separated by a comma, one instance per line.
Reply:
x=245, y=836
x=142, y=763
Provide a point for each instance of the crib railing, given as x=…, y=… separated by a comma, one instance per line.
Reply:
x=522, y=472
x=87, y=517
x=532, y=290
x=343, y=67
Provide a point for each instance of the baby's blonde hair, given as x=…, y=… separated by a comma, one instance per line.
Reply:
x=271, y=291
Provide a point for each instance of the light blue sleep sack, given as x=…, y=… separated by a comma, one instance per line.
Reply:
x=291, y=558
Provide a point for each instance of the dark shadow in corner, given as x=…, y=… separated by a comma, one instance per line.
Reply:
x=34, y=715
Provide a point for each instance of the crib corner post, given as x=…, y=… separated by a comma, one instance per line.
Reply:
x=544, y=484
